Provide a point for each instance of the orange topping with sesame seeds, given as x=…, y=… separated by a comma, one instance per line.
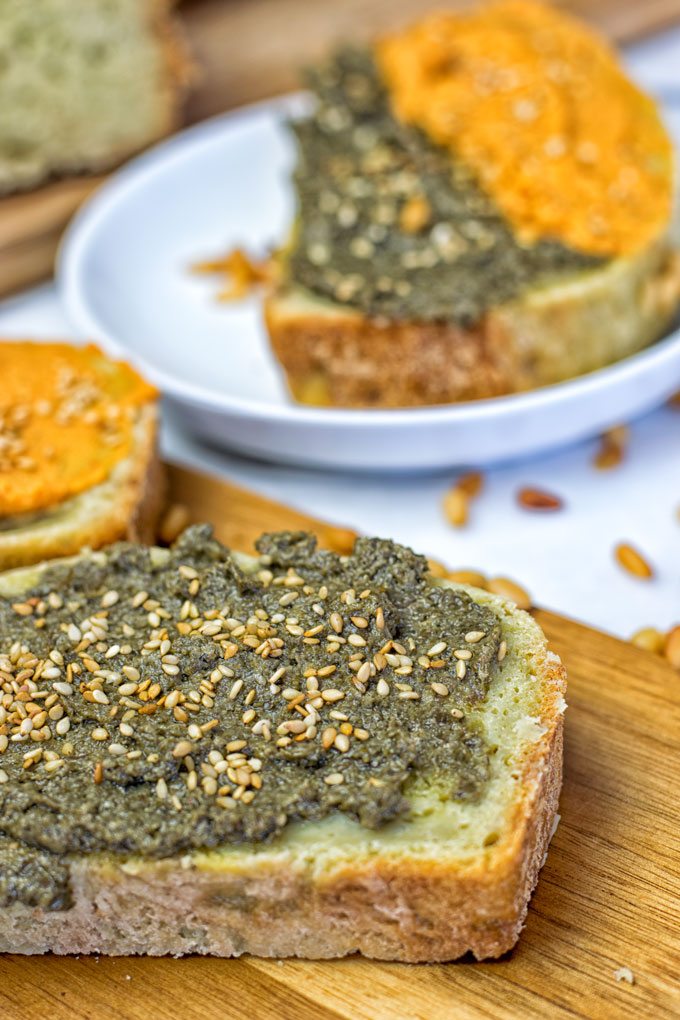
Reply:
x=67, y=417
x=540, y=108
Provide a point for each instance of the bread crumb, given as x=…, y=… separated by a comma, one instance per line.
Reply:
x=625, y=974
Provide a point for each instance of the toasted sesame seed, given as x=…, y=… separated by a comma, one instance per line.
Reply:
x=364, y=672
x=332, y=694
x=109, y=599
x=341, y=742
x=502, y=650
x=440, y=689
x=473, y=636
x=334, y=779
x=61, y=687
x=356, y=640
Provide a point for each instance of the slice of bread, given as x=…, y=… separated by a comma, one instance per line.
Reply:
x=333, y=355
x=446, y=878
x=84, y=86
x=126, y=505
x=79, y=465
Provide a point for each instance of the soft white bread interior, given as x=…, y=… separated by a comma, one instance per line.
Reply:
x=444, y=880
x=83, y=85
x=126, y=505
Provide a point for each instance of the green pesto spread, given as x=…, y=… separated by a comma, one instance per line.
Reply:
x=391, y=224
x=155, y=704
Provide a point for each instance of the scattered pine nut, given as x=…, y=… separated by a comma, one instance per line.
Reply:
x=456, y=507
x=612, y=450
x=457, y=500
x=471, y=483
x=510, y=590
x=633, y=561
x=672, y=647
x=340, y=540
x=471, y=577
x=650, y=640
x=538, y=499
x=174, y=521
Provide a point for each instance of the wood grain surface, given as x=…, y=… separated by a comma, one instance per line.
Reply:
x=245, y=50
x=608, y=895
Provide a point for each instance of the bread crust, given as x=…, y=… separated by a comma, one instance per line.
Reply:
x=413, y=906
x=334, y=356
x=125, y=506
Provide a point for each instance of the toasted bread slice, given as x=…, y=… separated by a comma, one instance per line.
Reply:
x=126, y=505
x=334, y=355
x=446, y=878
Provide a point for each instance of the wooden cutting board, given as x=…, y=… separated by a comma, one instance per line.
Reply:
x=245, y=50
x=608, y=895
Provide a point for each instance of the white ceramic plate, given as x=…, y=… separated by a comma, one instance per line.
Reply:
x=124, y=272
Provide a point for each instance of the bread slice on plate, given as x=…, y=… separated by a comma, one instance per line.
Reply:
x=238, y=788
x=84, y=86
x=470, y=221
x=78, y=452
x=333, y=355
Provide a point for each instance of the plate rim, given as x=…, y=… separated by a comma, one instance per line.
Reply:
x=76, y=243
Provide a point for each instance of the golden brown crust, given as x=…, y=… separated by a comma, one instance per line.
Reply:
x=414, y=906
x=333, y=356
x=126, y=505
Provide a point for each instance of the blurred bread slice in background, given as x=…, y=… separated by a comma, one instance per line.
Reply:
x=84, y=85
x=79, y=463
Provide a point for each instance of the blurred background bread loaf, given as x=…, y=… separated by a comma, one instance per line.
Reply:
x=83, y=85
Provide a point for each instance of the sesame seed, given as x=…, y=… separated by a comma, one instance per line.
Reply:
x=99, y=734
x=341, y=742
x=182, y=749
x=109, y=599
x=334, y=779
x=336, y=622
x=473, y=636
x=356, y=640
x=502, y=650
x=383, y=688
x=438, y=648
x=463, y=653
x=161, y=789
x=332, y=694
x=440, y=689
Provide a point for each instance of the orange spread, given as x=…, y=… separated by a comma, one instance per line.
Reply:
x=66, y=419
x=540, y=109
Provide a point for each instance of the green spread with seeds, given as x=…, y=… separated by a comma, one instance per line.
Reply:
x=154, y=702
x=393, y=225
